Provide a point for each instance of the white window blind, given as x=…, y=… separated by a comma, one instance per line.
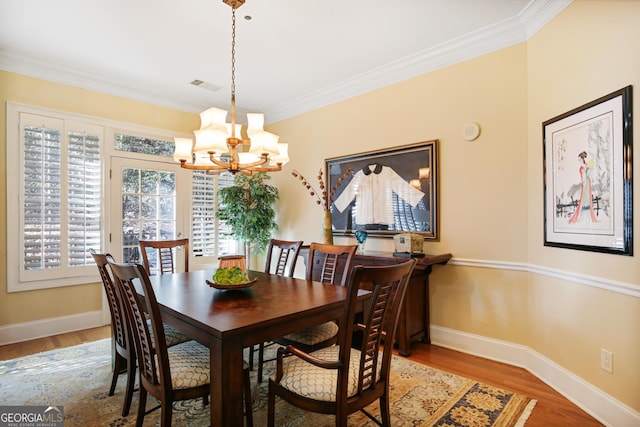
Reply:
x=42, y=196
x=59, y=199
x=83, y=197
x=209, y=236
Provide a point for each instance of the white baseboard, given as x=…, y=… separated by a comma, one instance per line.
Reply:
x=589, y=398
x=19, y=332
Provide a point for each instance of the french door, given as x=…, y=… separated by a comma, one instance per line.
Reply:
x=146, y=205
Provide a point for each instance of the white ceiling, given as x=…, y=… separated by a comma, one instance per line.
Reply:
x=291, y=57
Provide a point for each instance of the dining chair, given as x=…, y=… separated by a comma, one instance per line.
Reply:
x=229, y=261
x=122, y=347
x=163, y=254
x=122, y=344
x=169, y=374
x=340, y=380
x=327, y=264
x=282, y=256
x=281, y=259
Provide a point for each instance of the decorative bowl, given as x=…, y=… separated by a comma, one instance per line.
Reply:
x=231, y=286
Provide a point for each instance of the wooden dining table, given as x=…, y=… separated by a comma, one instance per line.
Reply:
x=227, y=321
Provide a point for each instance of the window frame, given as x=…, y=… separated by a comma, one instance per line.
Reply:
x=19, y=279
x=14, y=178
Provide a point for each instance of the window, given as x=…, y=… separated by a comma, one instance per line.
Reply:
x=137, y=144
x=148, y=210
x=55, y=217
x=61, y=201
x=209, y=236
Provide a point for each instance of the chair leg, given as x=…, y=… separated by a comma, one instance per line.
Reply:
x=117, y=367
x=271, y=408
x=166, y=412
x=384, y=410
x=260, y=361
x=251, y=351
x=248, y=402
x=341, y=418
x=131, y=381
x=142, y=406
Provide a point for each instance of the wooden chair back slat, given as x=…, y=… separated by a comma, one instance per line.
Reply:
x=165, y=252
x=150, y=343
x=285, y=254
x=330, y=263
x=117, y=310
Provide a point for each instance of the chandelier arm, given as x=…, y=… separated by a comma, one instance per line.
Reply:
x=276, y=168
x=185, y=165
x=234, y=164
x=227, y=167
x=264, y=158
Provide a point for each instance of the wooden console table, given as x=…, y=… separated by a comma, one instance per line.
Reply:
x=413, y=324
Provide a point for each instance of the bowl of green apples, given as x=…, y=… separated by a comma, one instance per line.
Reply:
x=230, y=278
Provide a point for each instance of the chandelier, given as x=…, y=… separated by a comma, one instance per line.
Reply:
x=219, y=146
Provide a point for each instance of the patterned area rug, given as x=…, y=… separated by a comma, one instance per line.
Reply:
x=78, y=378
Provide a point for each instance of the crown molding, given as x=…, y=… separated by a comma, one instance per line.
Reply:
x=478, y=43
x=486, y=40
x=47, y=68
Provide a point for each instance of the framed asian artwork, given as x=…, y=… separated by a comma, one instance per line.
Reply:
x=588, y=198
x=385, y=192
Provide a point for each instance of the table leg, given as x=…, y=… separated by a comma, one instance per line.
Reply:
x=402, y=335
x=426, y=320
x=226, y=384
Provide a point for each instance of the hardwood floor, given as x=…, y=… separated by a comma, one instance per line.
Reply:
x=11, y=351
x=552, y=409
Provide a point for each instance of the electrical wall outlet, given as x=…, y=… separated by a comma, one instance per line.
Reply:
x=606, y=360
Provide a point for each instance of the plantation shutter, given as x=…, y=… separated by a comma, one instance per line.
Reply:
x=226, y=242
x=84, y=197
x=209, y=237
x=203, y=214
x=60, y=193
x=42, y=196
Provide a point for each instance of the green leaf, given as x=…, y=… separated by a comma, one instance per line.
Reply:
x=248, y=208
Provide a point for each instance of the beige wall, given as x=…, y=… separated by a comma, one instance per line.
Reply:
x=479, y=202
x=586, y=52
x=491, y=189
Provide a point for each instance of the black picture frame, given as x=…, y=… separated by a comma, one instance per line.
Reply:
x=587, y=162
x=416, y=165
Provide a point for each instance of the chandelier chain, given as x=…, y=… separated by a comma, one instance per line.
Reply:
x=233, y=71
x=233, y=54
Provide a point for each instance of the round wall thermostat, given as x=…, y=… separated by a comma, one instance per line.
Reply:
x=471, y=131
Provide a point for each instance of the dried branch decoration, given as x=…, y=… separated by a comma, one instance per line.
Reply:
x=322, y=197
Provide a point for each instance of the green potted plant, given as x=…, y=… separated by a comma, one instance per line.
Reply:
x=247, y=207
